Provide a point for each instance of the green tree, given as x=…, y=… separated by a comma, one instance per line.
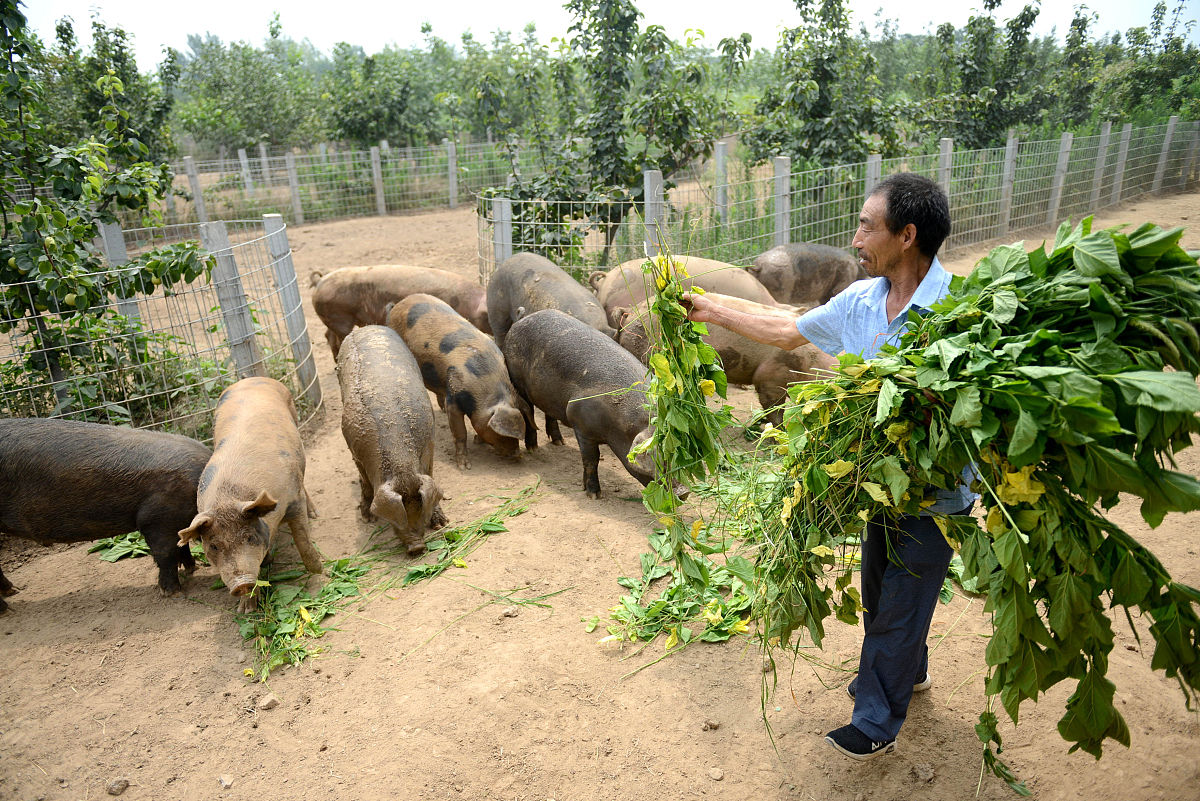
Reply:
x=384, y=96
x=1157, y=75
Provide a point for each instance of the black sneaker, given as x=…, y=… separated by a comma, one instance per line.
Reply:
x=920, y=687
x=850, y=741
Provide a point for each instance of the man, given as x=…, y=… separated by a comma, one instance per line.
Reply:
x=901, y=226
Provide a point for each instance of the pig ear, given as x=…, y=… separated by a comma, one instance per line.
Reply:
x=507, y=422
x=596, y=279
x=620, y=316
x=430, y=494
x=262, y=505
x=200, y=525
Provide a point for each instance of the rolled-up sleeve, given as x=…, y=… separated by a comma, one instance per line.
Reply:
x=824, y=325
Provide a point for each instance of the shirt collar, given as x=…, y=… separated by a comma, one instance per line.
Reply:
x=929, y=291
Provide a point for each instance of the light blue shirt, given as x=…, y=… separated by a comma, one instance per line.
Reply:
x=855, y=321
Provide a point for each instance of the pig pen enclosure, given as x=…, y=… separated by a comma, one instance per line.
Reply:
x=484, y=682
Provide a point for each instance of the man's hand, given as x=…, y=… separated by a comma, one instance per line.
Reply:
x=767, y=329
x=699, y=308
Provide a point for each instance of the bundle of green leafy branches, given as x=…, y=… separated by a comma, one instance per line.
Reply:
x=1058, y=380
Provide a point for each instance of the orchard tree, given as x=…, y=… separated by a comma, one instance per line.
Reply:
x=384, y=96
x=1157, y=75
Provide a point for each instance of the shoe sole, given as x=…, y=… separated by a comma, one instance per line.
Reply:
x=887, y=749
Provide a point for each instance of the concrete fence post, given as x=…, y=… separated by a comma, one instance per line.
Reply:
x=1122, y=157
x=169, y=199
x=235, y=310
x=294, y=187
x=1060, y=177
x=377, y=177
x=1101, y=163
x=721, y=181
x=653, y=215
x=189, y=164
x=247, y=178
x=1185, y=176
x=945, y=163
x=384, y=147
x=323, y=152
x=293, y=311
x=874, y=174
x=1007, y=179
x=452, y=170
x=264, y=165
x=502, y=244
x=112, y=242
x=1161, y=170
x=782, y=197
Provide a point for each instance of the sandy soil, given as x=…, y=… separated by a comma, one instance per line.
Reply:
x=444, y=690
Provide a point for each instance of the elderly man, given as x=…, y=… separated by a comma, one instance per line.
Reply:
x=901, y=226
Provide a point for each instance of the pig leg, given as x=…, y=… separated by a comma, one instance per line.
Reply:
x=312, y=509
x=164, y=548
x=297, y=520
x=553, y=432
x=368, y=493
x=590, y=451
x=6, y=588
x=458, y=428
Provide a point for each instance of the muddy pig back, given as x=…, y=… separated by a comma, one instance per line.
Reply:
x=69, y=481
x=527, y=283
x=465, y=370
x=253, y=482
x=387, y=421
x=804, y=273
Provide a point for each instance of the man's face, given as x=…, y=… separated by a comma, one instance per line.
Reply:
x=878, y=248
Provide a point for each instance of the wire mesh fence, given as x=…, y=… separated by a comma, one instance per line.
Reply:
x=730, y=211
x=161, y=358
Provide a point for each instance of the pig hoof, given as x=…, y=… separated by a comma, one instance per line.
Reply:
x=9, y=590
x=595, y=496
x=556, y=441
x=416, y=550
x=247, y=605
x=464, y=465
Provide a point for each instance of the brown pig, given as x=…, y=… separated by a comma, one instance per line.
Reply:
x=804, y=273
x=462, y=367
x=527, y=283
x=626, y=285
x=769, y=369
x=353, y=296
x=253, y=482
x=387, y=421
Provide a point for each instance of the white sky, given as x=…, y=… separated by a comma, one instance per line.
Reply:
x=374, y=25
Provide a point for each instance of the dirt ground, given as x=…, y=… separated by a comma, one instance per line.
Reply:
x=443, y=690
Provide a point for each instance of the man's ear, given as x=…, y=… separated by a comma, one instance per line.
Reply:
x=908, y=236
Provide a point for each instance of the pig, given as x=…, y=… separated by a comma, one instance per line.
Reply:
x=465, y=370
x=253, y=482
x=806, y=274
x=626, y=285
x=576, y=374
x=527, y=283
x=769, y=369
x=353, y=296
x=387, y=421
x=69, y=481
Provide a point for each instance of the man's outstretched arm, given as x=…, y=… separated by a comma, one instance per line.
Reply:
x=780, y=332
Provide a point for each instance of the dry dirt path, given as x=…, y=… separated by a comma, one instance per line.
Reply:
x=440, y=691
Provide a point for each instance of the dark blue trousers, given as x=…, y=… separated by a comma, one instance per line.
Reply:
x=904, y=563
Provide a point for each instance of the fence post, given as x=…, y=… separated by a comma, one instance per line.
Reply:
x=377, y=175
x=874, y=173
x=323, y=150
x=1006, y=183
x=720, y=151
x=783, y=199
x=502, y=245
x=945, y=163
x=384, y=147
x=293, y=311
x=1186, y=176
x=1101, y=163
x=294, y=186
x=1161, y=170
x=652, y=197
x=113, y=243
x=1122, y=156
x=1060, y=177
x=169, y=197
x=452, y=169
x=235, y=310
x=264, y=165
x=189, y=164
x=247, y=179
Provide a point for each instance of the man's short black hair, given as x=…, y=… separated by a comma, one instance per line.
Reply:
x=915, y=199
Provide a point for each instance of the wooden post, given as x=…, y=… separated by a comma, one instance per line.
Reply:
x=1161, y=169
x=377, y=176
x=1060, y=177
x=189, y=164
x=1101, y=163
x=1006, y=183
x=652, y=198
x=293, y=311
x=264, y=165
x=235, y=310
x=294, y=186
x=452, y=169
x=502, y=245
x=874, y=174
x=1122, y=157
x=945, y=163
x=247, y=179
x=721, y=181
x=783, y=199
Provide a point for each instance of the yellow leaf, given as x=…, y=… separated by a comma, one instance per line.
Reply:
x=838, y=469
x=995, y=522
x=870, y=387
x=696, y=526
x=877, y=493
x=1020, y=487
x=810, y=407
x=898, y=432
x=821, y=550
x=459, y=563
x=708, y=387
x=741, y=627
x=865, y=515
x=697, y=290
x=304, y=614
x=854, y=370
x=673, y=639
x=247, y=672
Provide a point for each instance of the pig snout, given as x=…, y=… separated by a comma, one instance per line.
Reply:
x=241, y=585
